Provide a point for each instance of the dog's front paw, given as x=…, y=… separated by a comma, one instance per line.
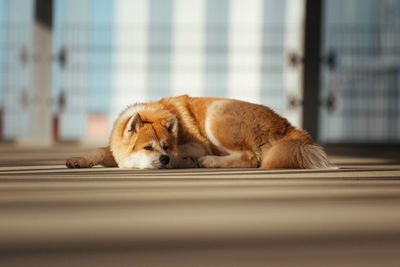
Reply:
x=209, y=162
x=79, y=162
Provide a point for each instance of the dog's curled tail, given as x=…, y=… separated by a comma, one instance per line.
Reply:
x=295, y=150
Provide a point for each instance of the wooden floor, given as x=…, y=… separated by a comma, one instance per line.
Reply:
x=54, y=216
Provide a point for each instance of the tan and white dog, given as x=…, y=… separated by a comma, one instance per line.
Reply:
x=187, y=132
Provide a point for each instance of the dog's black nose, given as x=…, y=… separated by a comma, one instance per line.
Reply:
x=164, y=159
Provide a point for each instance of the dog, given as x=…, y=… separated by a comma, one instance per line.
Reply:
x=191, y=132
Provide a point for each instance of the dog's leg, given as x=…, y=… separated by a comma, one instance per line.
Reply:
x=190, y=153
x=101, y=156
x=237, y=159
x=187, y=162
x=230, y=134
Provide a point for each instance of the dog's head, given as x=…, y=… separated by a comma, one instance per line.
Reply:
x=148, y=140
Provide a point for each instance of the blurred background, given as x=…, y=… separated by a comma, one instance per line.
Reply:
x=68, y=67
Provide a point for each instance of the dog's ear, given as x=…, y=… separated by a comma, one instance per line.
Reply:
x=172, y=126
x=133, y=125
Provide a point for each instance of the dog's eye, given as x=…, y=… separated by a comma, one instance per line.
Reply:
x=150, y=148
x=165, y=147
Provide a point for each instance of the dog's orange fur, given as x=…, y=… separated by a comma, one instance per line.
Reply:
x=228, y=133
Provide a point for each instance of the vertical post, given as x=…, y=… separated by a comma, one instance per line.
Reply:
x=42, y=56
x=135, y=13
x=293, y=70
x=311, y=78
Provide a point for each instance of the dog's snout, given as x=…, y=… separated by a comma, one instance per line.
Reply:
x=164, y=159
